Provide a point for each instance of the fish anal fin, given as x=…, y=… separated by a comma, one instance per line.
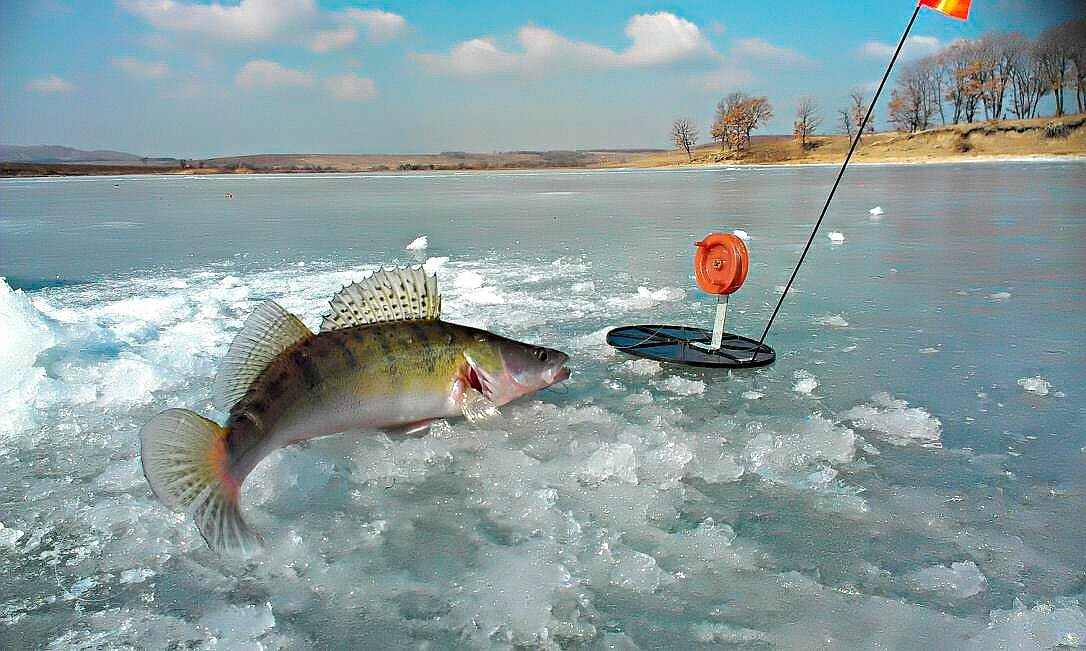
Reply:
x=409, y=431
x=267, y=332
x=476, y=407
x=186, y=463
x=399, y=294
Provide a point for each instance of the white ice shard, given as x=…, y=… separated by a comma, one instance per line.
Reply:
x=420, y=243
x=1036, y=384
x=836, y=236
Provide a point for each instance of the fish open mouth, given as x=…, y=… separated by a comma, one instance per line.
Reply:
x=561, y=375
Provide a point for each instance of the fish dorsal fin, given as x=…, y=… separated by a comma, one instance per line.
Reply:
x=268, y=331
x=400, y=294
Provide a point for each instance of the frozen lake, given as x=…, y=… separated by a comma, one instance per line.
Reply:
x=909, y=474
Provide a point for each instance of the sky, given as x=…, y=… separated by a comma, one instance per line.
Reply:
x=200, y=79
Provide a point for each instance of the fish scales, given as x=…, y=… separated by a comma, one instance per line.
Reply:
x=372, y=361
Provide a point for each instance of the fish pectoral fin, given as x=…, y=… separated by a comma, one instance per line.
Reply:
x=477, y=407
x=409, y=431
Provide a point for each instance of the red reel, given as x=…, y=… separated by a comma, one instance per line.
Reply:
x=721, y=263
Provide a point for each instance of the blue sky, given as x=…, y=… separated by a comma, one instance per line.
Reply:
x=198, y=79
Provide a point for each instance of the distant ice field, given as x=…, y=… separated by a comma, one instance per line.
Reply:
x=909, y=474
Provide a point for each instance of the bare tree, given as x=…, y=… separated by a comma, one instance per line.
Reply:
x=844, y=122
x=685, y=135
x=736, y=116
x=807, y=120
x=1053, y=55
x=1077, y=37
x=858, y=110
x=726, y=109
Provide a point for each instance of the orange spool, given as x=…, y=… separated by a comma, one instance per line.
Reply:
x=721, y=263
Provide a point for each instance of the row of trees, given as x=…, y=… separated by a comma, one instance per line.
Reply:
x=738, y=114
x=997, y=76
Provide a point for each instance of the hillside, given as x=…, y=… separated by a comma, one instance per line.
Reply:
x=1065, y=136
x=59, y=154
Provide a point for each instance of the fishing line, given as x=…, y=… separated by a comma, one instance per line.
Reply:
x=841, y=173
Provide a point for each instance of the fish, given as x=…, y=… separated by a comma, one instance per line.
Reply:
x=383, y=360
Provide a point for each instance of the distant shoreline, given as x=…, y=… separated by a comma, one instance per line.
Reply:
x=1038, y=139
x=1040, y=158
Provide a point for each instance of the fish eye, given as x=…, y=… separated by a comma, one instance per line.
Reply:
x=541, y=354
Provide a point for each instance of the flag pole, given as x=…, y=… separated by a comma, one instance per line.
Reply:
x=840, y=173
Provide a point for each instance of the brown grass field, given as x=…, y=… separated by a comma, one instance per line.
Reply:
x=1039, y=137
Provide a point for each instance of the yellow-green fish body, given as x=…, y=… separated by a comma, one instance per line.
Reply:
x=382, y=361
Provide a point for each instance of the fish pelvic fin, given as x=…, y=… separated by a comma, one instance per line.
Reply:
x=476, y=407
x=186, y=463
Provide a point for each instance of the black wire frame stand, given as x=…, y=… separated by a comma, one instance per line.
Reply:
x=672, y=344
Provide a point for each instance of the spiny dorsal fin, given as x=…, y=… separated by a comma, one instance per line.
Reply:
x=268, y=331
x=400, y=294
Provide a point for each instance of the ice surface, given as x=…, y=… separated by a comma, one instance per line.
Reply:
x=833, y=320
x=638, y=505
x=682, y=386
x=611, y=461
x=237, y=624
x=805, y=383
x=642, y=367
x=1044, y=626
x=960, y=580
x=897, y=423
x=420, y=243
x=1036, y=384
x=8, y=537
x=999, y=296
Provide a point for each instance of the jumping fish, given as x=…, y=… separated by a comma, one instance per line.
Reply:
x=383, y=360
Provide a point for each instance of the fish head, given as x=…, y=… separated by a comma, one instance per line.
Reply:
x=504, y=369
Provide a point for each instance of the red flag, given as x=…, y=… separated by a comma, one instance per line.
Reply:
x=954, y=8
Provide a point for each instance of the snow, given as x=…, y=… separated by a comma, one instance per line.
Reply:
x=420, y=243
x=876, y=211
x=741, y=234
x=835, y=237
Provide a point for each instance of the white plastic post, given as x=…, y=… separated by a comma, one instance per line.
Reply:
x=718, y=324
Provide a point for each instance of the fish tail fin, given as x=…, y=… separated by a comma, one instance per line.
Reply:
x=187, y=465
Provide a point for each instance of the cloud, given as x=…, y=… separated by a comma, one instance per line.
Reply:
x=333, y=39
x=764, y=51
x=721, y=80
x=249, y=20
x=269, y=74
x=352, y=87
x=657, y=39
x=50, y=84
x=140, y=69
x=380, y=25
x=915, y=47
